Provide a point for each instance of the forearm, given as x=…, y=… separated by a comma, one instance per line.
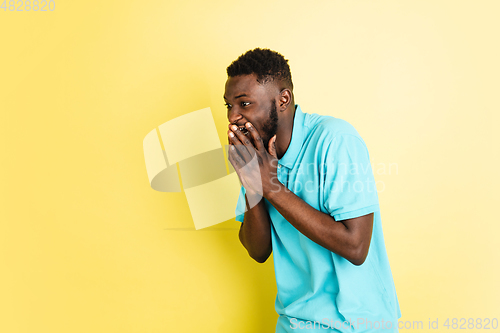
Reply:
x=315, y=225
x=255, y=232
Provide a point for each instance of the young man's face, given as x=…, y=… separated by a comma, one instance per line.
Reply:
x=248, y=100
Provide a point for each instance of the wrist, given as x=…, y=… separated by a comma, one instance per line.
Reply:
x=252, y=199
x=275, y=190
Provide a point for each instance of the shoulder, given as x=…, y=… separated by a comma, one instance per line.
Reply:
x=328, y=129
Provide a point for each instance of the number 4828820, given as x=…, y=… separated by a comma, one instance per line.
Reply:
x=27, y=5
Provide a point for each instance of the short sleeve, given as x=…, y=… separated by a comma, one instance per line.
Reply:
x=349, y=188
x=241, y=206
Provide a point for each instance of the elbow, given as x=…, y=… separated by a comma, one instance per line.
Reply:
x=257, y=253
x=358, y=261
x=260, y=257
x=358, y=255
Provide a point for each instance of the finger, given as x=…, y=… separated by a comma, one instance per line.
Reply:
x=255, y=136
x=272, y=147
x=237, y=169
x=236, y=160
x=230, y=157
x=241, y=143
x=242, y=137
x=233, y=139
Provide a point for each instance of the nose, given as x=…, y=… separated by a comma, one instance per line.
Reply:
x=234, y=116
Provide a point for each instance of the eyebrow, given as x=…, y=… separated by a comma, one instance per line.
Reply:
x=242, y=95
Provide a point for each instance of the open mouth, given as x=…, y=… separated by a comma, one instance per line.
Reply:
x=244, y=130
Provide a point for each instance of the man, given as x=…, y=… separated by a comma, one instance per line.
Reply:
x=319, y=214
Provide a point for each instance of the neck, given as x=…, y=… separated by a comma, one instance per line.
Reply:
x=284, y=134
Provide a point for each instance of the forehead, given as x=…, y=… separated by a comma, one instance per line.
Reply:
x=244, y=84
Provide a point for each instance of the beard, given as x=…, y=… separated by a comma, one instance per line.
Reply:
x=271, y=126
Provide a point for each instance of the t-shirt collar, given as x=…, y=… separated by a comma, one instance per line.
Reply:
x=291, y=154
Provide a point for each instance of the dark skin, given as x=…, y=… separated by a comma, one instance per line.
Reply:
x=249, y=103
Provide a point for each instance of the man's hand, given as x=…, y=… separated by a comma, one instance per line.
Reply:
x=255, y=167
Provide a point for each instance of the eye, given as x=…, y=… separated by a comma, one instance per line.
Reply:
x=228, y=106
x=245, y=104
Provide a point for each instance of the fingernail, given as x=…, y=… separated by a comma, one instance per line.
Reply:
x=231, y=134
x=248, y=125
x=234, y=127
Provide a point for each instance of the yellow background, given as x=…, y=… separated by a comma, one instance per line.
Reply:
x=87, y=246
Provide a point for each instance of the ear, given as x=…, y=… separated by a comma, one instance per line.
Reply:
x=285, y=99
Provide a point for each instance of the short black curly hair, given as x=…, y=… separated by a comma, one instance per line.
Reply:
x=268, y=65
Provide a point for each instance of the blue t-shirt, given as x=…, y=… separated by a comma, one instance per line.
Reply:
x=327, y=165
